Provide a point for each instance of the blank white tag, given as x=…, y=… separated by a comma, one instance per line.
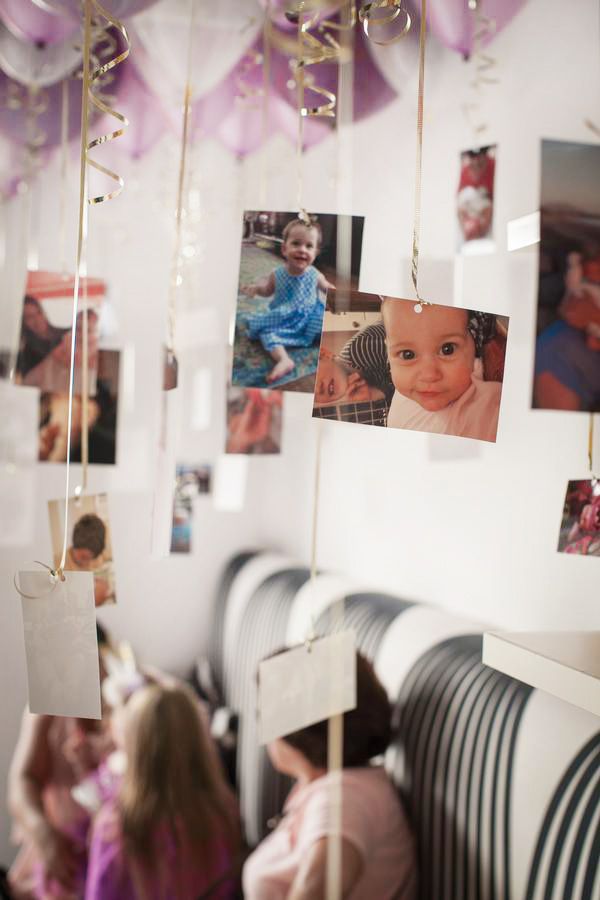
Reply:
x=523, y=232
x=61, y=646
x=300, y=687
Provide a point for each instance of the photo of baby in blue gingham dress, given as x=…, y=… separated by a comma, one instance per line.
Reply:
x=294, y=317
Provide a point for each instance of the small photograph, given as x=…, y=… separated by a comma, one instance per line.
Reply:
x=475, y=199
x=580, y=526
x=422, y=367
x=170, y=370
x=191, y=481
x=254, y=420
x=287, y=276
x=102, y=418
x=567, y=348
x=89, y=547
x=44, y=357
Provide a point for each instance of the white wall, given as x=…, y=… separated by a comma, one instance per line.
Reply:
x=476, y=534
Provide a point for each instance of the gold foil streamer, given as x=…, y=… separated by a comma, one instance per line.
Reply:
x=369, y=21
x=591, y=444
x=101, y=104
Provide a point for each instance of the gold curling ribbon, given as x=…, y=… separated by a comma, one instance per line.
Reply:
x=266, y=70
x=369, y=21
x=484, y=63
x=98, y=72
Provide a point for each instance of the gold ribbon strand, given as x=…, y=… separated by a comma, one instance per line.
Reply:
x=484, y=26
x=417, y=219
x=176, y=277
x=591, y=447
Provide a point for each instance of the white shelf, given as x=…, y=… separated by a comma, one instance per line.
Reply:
x=563, y=663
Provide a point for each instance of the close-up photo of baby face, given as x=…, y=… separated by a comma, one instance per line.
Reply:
x=300, y=248
x=431, y=353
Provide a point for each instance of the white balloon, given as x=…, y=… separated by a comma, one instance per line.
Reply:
x=36, y=66
x=223, y=31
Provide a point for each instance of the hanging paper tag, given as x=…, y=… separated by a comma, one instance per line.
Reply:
x=306, y=685
x=61, y=646
x=229, y=485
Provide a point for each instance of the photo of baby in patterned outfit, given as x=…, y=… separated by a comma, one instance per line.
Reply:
x=282, y=296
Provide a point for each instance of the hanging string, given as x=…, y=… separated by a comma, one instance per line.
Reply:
x=87, y=24
x=266, y=90
x=417, y=217
x=176, y=277
x=591, y=445
x=64, y=160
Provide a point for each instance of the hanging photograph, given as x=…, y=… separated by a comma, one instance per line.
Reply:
x=102, y=418
x=287, y=273
x=254, y=419
x=191, y=481
x=567, y=349
x=431, y=368
x=89, y=546
x=475, y=199
x=44, y=357
x=580, y=526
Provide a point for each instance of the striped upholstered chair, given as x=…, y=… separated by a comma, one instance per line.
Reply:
x=502, y=782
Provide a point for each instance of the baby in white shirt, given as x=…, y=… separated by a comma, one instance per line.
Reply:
x=437, y=370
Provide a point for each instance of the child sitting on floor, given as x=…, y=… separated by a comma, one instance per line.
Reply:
x=295, y=314
x=171, y=831
x=437, y=370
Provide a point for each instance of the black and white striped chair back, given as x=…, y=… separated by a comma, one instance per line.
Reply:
x=501, y=782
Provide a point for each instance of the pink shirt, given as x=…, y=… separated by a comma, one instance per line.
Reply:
x=373, y=820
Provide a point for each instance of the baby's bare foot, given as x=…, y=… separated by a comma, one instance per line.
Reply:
x=283, y=367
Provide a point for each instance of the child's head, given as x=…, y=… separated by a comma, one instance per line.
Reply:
x=432, y=353
x=35, y=320
x=89, y=539
x=172, y=773
x=301, y=244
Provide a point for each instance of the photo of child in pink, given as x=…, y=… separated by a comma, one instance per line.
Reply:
x=295, y=314
x=436, y=366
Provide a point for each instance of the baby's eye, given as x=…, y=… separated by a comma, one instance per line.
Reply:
x=406, y=354
x=448, y=349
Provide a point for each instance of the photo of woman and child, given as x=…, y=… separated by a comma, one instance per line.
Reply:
x=567, y=351
x=475, y=198
x=422, y=367
x=89, y=548
x=44, y=356
x=282, y=296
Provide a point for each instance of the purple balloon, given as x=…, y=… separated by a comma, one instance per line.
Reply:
x=30, y=23
x=279, y=12
x=72, y=8
x=453, y=23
